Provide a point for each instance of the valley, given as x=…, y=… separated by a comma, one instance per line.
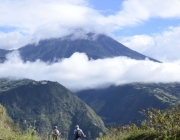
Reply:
x=44, y=104
x=121, y=104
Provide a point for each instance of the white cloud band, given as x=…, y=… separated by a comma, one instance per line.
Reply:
x=77, y=72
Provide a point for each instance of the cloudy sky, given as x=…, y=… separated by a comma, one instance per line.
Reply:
x=151, y=27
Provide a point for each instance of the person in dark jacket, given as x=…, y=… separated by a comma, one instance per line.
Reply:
x=78, y=133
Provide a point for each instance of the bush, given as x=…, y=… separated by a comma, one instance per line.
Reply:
x=157, y=125
x=11, y=131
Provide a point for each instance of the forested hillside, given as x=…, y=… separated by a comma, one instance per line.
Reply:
x=46, y=104
x=120, y=104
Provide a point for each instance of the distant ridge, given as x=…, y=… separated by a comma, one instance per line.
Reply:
x=2, y=59
x=95, y=46
x=3, y=54
x=124, y=101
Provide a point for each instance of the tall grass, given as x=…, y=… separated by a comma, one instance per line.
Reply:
x=11, y=131
x=157, y=125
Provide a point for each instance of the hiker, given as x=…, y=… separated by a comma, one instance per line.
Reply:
x=55, y=133
x=78, y=133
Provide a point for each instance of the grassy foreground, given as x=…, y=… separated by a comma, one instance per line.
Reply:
x=157, y=125
x=11, y=131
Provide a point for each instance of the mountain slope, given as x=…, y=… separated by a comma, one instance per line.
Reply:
x=12, y=131
x=120, y=105
x=101, y=47
x=95, y=47
x=3, y=52
x=2, y=59
x=47, y=104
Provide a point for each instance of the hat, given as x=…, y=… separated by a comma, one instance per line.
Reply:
x=55, y=127
x=77, y=126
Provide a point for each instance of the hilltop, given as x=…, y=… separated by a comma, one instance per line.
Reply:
x=45, y=104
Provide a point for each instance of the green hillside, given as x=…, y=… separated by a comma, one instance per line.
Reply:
x=120, y=105
x=45, y=104
x=11, y=131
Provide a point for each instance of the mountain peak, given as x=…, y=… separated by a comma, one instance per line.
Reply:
x=96, y=46
x=81, y=36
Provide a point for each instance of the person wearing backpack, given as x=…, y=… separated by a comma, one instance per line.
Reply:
x=78, y=133
x=55, y=133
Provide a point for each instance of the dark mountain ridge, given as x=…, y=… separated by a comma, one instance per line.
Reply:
x=98, y=47
x=45, y=104
x=3, y=52
x=2, y=59
x=120, y=105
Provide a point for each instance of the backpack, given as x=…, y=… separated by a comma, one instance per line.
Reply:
x=78, y=133
x=55, y=133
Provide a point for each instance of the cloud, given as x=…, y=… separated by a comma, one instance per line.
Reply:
x=139, y=43
x=33, y=20
x=13, y=40
x=135, y=12
x=167, y=45
x=164, y=46
x=78, y=73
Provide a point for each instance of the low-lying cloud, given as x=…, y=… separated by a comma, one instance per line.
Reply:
x=78, y=73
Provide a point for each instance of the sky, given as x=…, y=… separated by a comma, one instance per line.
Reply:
x=148, y=27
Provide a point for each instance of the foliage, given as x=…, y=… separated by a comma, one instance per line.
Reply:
x=157, y=125
x=120, y=104
x=45, y=104
x=11, y=131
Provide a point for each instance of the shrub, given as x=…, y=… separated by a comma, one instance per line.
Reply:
x=157, y=125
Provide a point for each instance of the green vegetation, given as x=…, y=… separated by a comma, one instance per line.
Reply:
x=120, y=104
x=157, y=125
x=39, y=105
x=11, y=131
x=44, y=104
x=8, y=84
